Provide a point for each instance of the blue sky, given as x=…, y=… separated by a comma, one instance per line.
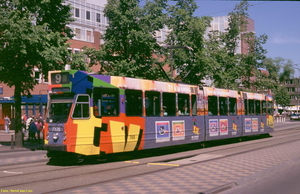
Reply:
x=279, y=20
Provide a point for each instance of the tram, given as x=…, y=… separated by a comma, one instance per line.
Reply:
x=91, y=114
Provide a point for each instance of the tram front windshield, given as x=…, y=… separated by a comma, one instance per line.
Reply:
x=59, y=110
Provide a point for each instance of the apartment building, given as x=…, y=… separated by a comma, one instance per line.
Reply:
x=293, y=88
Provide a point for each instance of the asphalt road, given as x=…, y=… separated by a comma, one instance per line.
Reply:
x=268, y=165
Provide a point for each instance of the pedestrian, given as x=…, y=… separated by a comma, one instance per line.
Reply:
x=39, y=117
x=28, y=121
x=6, y=123
x=39, y=127
x=24, y=119
x=32, y=131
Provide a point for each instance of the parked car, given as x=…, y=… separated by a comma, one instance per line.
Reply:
x=295, y=116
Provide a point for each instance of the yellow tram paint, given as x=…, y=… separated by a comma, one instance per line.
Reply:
x=117, y=131
x=133, y=136
x=85, y=135
x=163, y=164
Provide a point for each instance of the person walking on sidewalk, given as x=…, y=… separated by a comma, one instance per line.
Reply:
x=7, y=123
x=32, y=131
x=39, y=127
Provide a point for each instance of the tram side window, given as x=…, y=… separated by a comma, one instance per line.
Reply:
x=264, y=107
x=183, y=104
x=106, y=102
x=257, y=107
x=194, y=105
x=232, y=106
x=270, y=108
x=212, y=105
x=152, y=103
x=134, y=103
x=81, y=107
x=249, y=107
x=223, y=106
x=246, y=106
x=169, y=104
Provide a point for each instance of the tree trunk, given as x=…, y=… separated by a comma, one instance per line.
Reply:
x=18, y=120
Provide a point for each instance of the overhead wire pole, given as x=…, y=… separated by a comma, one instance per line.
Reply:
x=175, y=47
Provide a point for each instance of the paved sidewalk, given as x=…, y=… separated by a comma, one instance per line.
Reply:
x=7, y=143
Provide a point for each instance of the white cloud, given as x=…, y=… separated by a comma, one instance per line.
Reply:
x=285, y=40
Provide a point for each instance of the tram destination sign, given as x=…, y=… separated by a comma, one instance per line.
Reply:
x=60, y=78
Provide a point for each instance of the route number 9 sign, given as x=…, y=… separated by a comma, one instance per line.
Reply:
x=60, y=78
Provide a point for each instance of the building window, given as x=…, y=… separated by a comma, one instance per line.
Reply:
x=98, y=16
x=37, y=75
x=289, y=81
x=89, y=36
x=88, y=15
x=77, y=12
x=77, y=33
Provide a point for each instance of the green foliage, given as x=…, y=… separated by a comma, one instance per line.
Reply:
x=187, y=42
x=31, y=36
x=281, y=96
x=129, y=39
x=279, y=69
x=78, y=61
x=225, y=66
x=130, y=48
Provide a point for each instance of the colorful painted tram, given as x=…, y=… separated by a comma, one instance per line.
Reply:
x=91, y=114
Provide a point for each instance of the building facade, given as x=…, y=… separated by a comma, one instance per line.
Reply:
x=293, y=88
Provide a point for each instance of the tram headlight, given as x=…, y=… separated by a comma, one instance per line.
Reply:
x=55, y=136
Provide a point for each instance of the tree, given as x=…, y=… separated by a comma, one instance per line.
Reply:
x=130, y=39
x=78, y=61
x=225, y=64
x=251, y=62
x=31, y=36
x=186, y=40
x=281, y=96
x=279, y=70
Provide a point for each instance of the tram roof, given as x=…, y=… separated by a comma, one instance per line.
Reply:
x=144, y=84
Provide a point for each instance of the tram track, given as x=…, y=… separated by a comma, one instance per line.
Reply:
x=296, y=138
x=109, y=172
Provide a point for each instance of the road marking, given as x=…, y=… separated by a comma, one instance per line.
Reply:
x=12, y=172
x=132, y=162
x=163, y=164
